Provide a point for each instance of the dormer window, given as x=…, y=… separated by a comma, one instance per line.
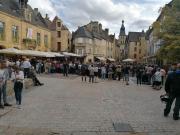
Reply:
x=59, y=24
x=27, y=15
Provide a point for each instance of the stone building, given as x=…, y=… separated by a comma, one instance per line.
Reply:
x=154, y=43
x=120, y=49
x=23, y=27
x=135, y=47
x=93, y=42
x=60, y=35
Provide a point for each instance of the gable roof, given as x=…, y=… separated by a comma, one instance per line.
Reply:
x=134, y=36
x=12, y=7
x=82, y=32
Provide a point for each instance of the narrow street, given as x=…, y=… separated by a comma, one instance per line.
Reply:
x=70, y=107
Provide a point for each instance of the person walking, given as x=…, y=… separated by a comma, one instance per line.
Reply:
x=172, y=88
x=157, y=79
x=84, y=72
x=126, y=72
x=95, y=73
x=4, y=76
x=18, y=78
x=65, y=69
x=139, y=74
x=118, y=71
x=91, y=73
x=26, y=65
x=103, y=72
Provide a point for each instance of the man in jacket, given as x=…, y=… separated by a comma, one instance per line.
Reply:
x=4, y=76
x=172, y=88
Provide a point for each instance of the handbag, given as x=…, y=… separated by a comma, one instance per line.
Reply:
x=164, y=98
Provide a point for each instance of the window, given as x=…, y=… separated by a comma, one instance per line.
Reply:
x=2, y=30
x=135, y=49
x=58, y=46
x=46, y=40
x=59, y=24
x=59, y=34
x=135, y=56
x=80, y=52
x=140, y=51
x=15, y=34
x=38, y=39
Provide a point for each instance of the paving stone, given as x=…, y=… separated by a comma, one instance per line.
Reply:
x=122, y=127
x=70, y=107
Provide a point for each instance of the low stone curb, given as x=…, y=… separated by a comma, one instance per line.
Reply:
x=10, y=95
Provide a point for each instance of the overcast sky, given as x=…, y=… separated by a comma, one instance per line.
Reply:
x=137, y=14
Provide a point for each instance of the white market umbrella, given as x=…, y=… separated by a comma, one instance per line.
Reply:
x=56, y=54
x=11, y=51
x=128, y=60
x=111, y=59
x=71, y=54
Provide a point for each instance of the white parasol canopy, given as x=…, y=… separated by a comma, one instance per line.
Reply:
x=128, y=60
x=101, y=58
x=71, y=54
x=11, y=51
x=111, y=59
x=56, y=54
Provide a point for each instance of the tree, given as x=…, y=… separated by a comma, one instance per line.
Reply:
x=170, y=33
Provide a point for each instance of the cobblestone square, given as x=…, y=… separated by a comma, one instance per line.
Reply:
x=71, y=107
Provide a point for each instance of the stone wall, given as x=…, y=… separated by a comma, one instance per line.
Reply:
x=27, y=84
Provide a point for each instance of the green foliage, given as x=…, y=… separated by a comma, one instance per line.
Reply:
x=170, y=33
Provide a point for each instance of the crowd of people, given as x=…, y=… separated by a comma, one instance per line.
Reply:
x=145, y=74
x=18, y=70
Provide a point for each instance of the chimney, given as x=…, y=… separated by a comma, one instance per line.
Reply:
x=100, y=27
x=107, y=31
x=47, y=16
x=36, y=11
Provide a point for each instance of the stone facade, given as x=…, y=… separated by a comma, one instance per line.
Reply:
x=91, y=41
x=21, y=26
x=61, y=36
x=136, y=46
x=153, y=42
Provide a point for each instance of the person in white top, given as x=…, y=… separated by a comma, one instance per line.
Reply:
x=18, y=63
x=18, y=78
x=157, y=79
x=96, y=72
x=26, y=65
x=103, y=72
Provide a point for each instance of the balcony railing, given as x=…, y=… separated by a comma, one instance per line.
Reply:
x=30, y=43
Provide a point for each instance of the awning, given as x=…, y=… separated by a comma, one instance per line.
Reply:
x=71, y=54
x=111, y=59
x=30, y=53
x=33, y=53
x=11, y=51
x=101, y=58
x=128, y=60
x=36, y=53
x=56, y=54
